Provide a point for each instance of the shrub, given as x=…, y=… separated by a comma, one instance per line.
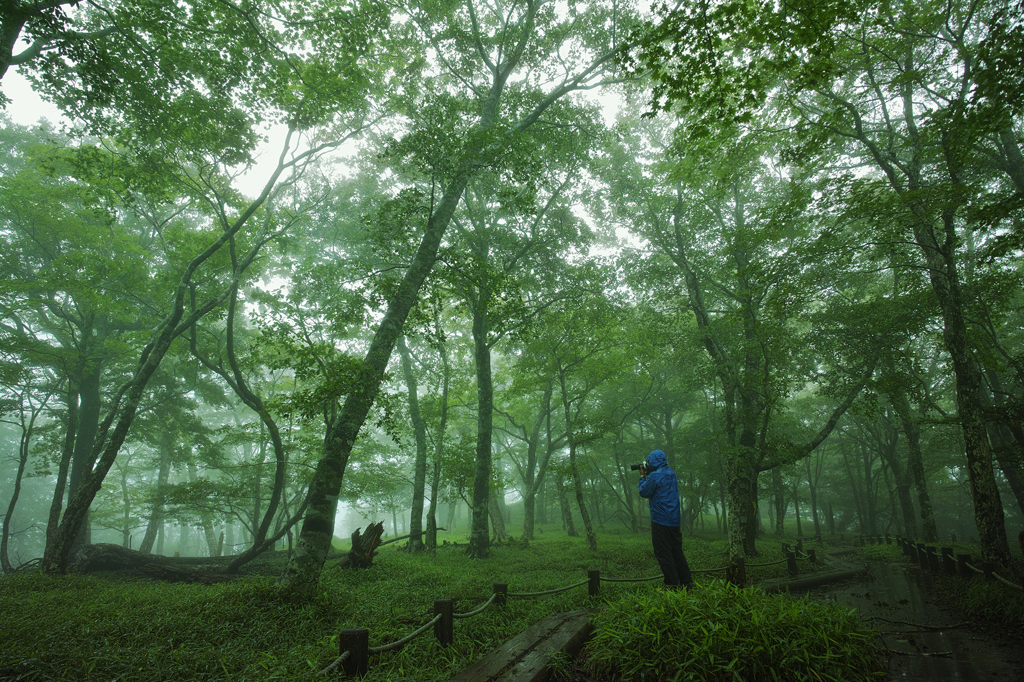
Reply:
x=720, y=632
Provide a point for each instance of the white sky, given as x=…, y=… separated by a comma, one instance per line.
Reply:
x=26, y=107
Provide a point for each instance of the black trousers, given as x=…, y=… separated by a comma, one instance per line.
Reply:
x=668, y=550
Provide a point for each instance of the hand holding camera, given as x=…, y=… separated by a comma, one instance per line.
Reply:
x=641, y=467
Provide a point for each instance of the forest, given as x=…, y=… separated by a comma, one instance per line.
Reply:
x=286, y=267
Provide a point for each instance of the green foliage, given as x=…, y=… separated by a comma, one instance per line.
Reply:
x=720, y=632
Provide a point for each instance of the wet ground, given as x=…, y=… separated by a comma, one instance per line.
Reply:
x=926, y=640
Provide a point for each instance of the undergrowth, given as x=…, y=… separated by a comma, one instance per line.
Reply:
x=721, y=632
x=110, y=627
x=990, y=601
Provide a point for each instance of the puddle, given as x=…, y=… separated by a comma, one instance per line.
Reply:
x=900, y=601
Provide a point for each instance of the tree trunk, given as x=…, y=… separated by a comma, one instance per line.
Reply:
x=420, y=431
x=563, y=500
x=915, y=463
x=814, y=500
x=479, y=545
x=23, y=451
x=126, y=511
x=435, y=482
x=796, y=509
x=781, y=504
x=988, y=508
x=577, y=482
x=497, y=521
x=156, y=517
x=83, y=458
x=314, y=542
x=1009, y=453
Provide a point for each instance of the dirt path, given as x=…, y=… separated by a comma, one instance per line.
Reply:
x=926, y=640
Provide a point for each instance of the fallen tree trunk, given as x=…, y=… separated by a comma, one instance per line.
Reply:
x=109, y=557
x=184, y=575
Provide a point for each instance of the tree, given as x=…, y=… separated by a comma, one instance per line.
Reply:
x=490, y=59
x=230, y=86
x=914, y=92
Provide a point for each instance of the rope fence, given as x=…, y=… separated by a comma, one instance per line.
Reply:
x=354, y=644
x=939, y=560
x=494, y=597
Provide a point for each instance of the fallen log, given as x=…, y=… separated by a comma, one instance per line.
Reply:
x=105, y=556
x=183, y=575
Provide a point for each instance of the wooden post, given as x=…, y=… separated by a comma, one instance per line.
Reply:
x=800, y=545
x=594, y=583
x=888, y=540
x=962, y=569
x=812, y=555
x=947, y=561
x=922, y=556
x=933, y=560
x=791, y=563
x=989, y=568
x=501, y=589
x=444, y=629
x=357, y=642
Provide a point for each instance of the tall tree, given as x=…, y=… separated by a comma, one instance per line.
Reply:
x=482, y=55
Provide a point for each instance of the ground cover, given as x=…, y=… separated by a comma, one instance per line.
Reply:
x=114, y=627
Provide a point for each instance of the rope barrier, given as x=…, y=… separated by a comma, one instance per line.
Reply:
x=774, y=563
x=334, y=666
x=524, y=595
x=708, y=570
x=976, y=570
x=632, y=580
x=479, y=610
x=1006, y=582
x=405, y=640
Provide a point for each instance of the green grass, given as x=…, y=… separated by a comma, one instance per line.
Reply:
x=721, y=632
x=112, y=628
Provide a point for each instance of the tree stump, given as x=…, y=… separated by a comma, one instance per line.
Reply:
x=364, y=547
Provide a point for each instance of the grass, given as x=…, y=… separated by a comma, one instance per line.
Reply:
x=722, y=632
x=109, y=627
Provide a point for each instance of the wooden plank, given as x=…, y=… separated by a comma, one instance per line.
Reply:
x=570, y=638
x=524, y=657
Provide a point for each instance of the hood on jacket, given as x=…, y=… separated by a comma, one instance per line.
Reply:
x=656, y=459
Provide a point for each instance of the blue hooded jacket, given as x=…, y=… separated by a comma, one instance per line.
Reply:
x=662, y=488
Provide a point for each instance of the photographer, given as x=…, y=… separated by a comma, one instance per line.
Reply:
x=659, y=484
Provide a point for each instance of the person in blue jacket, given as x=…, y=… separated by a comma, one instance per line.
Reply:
x=658, y=483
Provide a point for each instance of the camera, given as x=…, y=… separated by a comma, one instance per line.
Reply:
x=641, y=467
